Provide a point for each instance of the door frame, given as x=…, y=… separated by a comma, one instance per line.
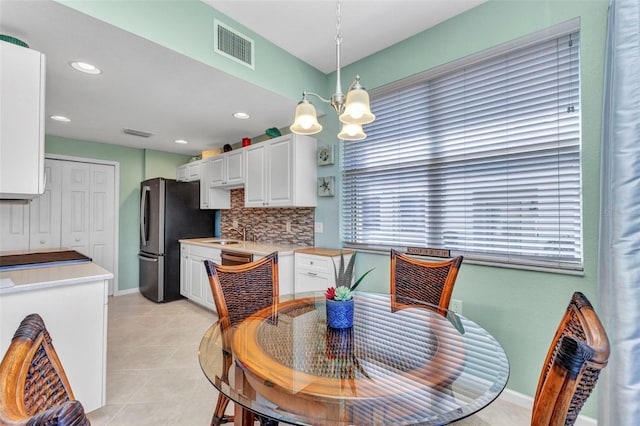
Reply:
x=113, y=284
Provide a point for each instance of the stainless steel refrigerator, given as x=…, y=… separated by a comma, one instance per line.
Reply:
x=169, y=211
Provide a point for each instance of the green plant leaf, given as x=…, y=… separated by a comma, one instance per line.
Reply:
x=348, y=274
x=360, y=279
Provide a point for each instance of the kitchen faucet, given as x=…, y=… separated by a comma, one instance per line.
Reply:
x=241, y=230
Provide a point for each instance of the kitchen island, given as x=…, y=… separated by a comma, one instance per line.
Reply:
x=72, y=300
x=194, y=283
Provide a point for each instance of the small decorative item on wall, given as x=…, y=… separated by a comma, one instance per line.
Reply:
x=325, y=155
x=326, y=186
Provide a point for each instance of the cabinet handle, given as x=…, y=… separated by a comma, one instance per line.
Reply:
x=311, y=262
x=313, y=274
x=42, y=241
x=77, y=240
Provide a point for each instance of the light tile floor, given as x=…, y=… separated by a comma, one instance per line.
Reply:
x=153, y=375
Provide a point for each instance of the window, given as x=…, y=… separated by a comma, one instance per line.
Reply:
x=480, y=157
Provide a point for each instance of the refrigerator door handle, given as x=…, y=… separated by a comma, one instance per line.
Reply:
x=143, y=207
x=148, y=259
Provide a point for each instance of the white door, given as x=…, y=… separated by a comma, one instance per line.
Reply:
x=101, y=219
x=14, y=225
x=76, y=202
x=45, y=214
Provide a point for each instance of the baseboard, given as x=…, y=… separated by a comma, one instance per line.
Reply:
x=525, y=401
x=127, y=291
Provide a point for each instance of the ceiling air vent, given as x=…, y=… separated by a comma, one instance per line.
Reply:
x=139, y=133
x=233, y=44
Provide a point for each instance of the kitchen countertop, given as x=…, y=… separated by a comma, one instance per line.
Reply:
x=258, y=248
x=319, y=251
x=34, y=278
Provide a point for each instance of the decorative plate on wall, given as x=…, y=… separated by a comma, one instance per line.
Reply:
x=326, y=186
x=325, y=155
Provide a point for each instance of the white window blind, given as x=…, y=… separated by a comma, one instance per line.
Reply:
x=483, y=160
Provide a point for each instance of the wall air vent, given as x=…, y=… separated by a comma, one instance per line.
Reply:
x=139, y=133
x=233, y=44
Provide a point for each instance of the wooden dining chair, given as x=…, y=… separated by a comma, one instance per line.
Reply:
x=34, y=389
x=239, y=291
x=415, y=280
x=577, y=354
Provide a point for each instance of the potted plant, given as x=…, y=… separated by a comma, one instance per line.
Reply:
x=339, y=301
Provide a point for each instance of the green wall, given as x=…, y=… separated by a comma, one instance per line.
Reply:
x=521, y=308
x=136, y=165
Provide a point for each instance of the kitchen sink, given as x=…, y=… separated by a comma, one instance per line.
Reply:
x=222, y=242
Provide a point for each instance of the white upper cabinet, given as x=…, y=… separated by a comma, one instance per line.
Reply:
x=281, y=172
x=227, y=170
x=190, y=172
x=211, y=198
x=22, y=78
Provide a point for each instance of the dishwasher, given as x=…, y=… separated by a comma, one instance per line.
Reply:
x=231, y=258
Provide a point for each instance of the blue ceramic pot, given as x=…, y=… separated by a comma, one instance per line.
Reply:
x=339, y=313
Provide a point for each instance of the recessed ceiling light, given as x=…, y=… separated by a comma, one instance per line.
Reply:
x=85, y=67
x=241, y=115
x=181, y=141
x=61, y=118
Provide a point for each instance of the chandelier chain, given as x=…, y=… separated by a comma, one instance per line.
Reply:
x=338, y=23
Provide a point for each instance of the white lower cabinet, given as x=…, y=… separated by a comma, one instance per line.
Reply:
x=314, y=268
x=194, y=282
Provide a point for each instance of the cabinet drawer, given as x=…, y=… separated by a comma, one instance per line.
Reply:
x=206, y=252
x=310, y=281
x=321, y=264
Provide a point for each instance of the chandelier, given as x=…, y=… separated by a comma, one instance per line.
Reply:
x=353, y=109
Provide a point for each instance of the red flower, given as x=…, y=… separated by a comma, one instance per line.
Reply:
x=330, y=293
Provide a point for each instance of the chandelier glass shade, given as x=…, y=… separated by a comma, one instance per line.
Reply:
x=353, y=110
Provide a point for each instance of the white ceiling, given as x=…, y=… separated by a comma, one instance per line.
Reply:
x=147, y=87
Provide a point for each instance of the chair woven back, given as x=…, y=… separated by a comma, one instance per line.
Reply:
x=579, y=351
x=415, y=280
x=34, y=388
x=241, y=290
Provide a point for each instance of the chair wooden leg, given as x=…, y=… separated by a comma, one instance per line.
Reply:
x=219, y=417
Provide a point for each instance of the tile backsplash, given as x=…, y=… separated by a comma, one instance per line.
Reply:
x=268, y=225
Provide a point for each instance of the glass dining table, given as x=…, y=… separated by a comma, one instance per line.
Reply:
x=395, y=366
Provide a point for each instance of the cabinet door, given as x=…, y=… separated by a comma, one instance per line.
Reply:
x=193, y=170
x=184, y=271
x=181, y=173
x=204, y=173
x=255, y=179
x=234, y=162
x=196, y=279
x=76, y=202
x=45, y=216
x=14, y=226
x=22, y=83
x=216, y=171
x=279, y=170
